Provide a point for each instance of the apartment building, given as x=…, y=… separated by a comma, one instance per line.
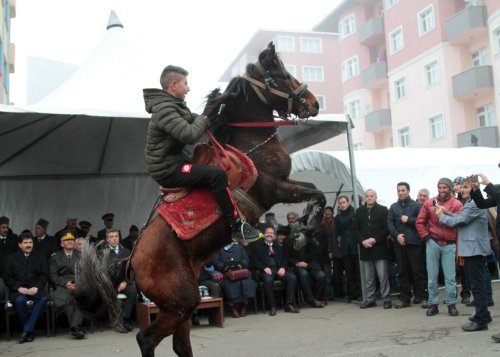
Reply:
x=419, y=73
x=7, y=49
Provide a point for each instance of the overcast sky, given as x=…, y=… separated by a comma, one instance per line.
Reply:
x=202, y=36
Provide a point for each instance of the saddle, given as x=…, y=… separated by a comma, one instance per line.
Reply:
x=189, y=211
x=241, y=171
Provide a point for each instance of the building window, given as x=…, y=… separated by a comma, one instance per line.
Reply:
x=355, y=108
x=400, y=89
x=350, y=68
x=358, y=146
x=426, y=20
x=390, y=3
x=496, y=39
x=347, y=26
x=404, y=137
x=486, y=115
x=292, y=69
x=396, y=40
x=284, y=44
x=312, y=74
x=321, y=101
x=436, y=126
x=480, y=57
x=431, y=72
x=311, y=45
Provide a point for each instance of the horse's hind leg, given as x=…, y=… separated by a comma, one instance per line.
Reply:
x=181, y=340
x=164, y=325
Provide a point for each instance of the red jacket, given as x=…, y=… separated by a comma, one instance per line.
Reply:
x=428, y=222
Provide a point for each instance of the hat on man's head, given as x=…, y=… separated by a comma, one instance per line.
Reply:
x=4, y=220
x=133, y=228
x=85, y=224
x=67, y=235
x=107, y=216
x=458, y=179
x=446, y=181
x=42, y=223
x=71, y=218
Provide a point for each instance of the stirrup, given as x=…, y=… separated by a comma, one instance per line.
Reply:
x=248, y=234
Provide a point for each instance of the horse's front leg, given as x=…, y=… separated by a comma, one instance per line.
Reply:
x=291, y=191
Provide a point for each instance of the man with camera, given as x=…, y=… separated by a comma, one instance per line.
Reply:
x=441, y=247
x=493, y=192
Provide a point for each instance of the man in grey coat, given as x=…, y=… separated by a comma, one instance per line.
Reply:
x=474, y=246
x=171, y=128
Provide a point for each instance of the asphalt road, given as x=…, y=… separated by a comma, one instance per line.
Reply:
x=340, y=329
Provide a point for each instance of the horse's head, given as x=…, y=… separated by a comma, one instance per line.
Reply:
x=278, y=88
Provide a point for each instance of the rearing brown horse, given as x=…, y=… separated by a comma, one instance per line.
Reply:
x=167, y=268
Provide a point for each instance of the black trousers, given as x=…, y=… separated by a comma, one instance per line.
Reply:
x=289, y=279
x=352, y=275
x=474, y=268
x=203, y=176
x=411, y=269
x=338, y=277
x=309, y=279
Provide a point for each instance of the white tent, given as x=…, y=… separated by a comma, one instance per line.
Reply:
x=79, y=151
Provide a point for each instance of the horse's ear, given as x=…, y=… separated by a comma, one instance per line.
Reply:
x=271, y=49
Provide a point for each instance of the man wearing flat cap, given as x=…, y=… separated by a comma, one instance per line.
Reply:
x=62, y=275
x=42, y=242
x=72, y=225
x=108, y=219
x=440, y=241
x=85, y=227
x=8, y=244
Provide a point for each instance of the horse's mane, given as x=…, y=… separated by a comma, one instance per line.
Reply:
x=218, y=105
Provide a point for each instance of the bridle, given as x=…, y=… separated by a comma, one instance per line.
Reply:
x=268, y=84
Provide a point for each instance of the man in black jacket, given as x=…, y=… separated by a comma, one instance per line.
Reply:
x=44, y=243
x=268, y=261
x=407, y=246
x=345, y=232
x=126, y=291
x=493, y=192
x=8, y=244
x=371, y=226
x=26, y=275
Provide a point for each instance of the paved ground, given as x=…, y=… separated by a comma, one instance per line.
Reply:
x=340, y=329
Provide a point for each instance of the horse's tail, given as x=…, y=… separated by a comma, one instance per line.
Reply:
x=94, y=293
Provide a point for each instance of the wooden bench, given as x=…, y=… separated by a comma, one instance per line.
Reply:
x=215, y=307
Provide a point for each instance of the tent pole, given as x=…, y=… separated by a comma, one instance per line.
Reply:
x=352, y=165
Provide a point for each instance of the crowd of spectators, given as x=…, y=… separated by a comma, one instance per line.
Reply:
x=430, y=241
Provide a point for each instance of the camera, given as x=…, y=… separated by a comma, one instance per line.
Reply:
x=474, y=179
x=435, y=202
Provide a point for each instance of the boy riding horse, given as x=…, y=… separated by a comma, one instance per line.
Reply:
x=171, y=128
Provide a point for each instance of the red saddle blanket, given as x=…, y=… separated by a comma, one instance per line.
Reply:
x=191, y=214
x=196, y=211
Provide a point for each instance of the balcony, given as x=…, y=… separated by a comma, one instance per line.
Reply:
x=485, y=136
x=372, y=32
x=467, y=25
x=473, y=82
x=375, y=75
x=378, y=120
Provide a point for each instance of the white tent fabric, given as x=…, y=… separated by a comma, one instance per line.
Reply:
x=382, y=169
x=109, y=83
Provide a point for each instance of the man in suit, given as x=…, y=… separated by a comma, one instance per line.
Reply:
x=8, y=244
x=44, y=243
x=125, y=290
x=370, y=223
x=108, y=219
x=268, y=260
x=85, y=227
x=62, y=275
x=26, y=275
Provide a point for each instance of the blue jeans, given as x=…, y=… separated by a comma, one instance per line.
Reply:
x=29, y=320
x=445, y=255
